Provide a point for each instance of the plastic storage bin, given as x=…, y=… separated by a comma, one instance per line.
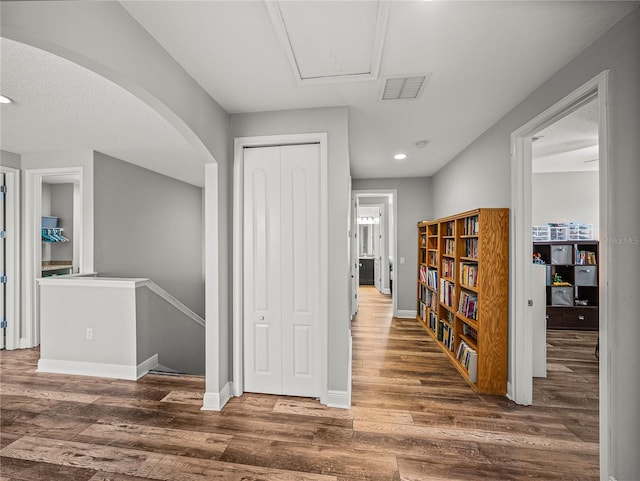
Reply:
x=540, y=233
x=49, y=222
x=558, y=232
x=579, y=231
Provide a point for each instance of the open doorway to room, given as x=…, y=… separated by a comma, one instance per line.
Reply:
x=578, y=267
x=374, y=244
x=565, y=218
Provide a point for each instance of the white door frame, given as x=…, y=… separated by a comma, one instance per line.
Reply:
x=394, y=232
x=323, y=228
x=12, y=261
x=520, y=333
x=32, y=258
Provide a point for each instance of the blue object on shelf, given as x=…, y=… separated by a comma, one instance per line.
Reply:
x=49, y=222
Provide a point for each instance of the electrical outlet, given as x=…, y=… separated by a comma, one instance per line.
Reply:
x=89, y=334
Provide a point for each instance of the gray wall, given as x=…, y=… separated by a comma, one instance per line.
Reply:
x=565, y=197
x=9, y=159
x=149, y=225
x=334, y=122
x=480, y=177
x=414, y=204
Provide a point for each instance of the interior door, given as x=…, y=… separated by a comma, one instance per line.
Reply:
x=3, y=263
x=281, y=266
x=355, y=258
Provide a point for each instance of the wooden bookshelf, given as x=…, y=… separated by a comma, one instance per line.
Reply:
x=466, y=310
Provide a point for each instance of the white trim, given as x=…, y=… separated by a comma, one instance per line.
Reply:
x=238, y=208
x=97, y=369
x=85, y=281
x=407, y=314
x=147, y=365
x=520, y=352
x=214, y=401
x=338, y=399
x=32, y=256
x=386, y=291
x=384, y=7
x=12, y=260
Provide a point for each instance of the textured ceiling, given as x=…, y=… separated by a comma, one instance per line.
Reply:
x=60, y=106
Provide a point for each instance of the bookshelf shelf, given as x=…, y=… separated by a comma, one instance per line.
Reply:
x=472, y=249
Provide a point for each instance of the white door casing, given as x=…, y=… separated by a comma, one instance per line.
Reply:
x=282, y=272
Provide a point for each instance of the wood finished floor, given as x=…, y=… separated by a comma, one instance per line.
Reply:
x=413, y=418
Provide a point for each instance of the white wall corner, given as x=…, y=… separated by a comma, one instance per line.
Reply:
x=407, y=314
x=339, y=399
x=147, y=365
x=215, y=401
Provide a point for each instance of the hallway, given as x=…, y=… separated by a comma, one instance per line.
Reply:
x=413, y=418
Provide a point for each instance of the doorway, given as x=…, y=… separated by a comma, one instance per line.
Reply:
x=374, y=245
x=38, y=203
x=245, y=233
x=10, y=267
x=520, y=388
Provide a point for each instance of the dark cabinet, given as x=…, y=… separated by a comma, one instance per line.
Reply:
x=366, y=271
x=572, y=283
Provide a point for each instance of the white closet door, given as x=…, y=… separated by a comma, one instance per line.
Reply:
x=281, y=270
x=300, y=167
x=262, y=271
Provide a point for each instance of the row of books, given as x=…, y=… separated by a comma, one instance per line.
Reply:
x=586, y=258
x=471, y=248
x=468, y=357
x=446, y=335
x=422, y=310
x=468, y=305
x=471, y=225
x=433, y=321
x=448, y=267
x=450, y=247
x=446, y=292
x=470, y=332
x=432, y=278
x=469, y=274
x=450, y=228
x=422, y=274
x=433, y=258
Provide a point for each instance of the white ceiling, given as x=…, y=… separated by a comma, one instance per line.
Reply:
x=483, y=57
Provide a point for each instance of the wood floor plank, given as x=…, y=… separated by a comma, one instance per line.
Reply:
x=412, y=418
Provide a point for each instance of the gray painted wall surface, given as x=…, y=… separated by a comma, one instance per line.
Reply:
x=9, y=159
x=334, y=122
x=565, y=197
x=149, y=225
x=414, y=204
x=480, y=177
x=162, y=329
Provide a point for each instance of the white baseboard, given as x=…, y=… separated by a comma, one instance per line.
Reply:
x=386, y=291
x=407, y=314
x=145, y=366
x=338, y=399
x=215, y=401
x=95, y=369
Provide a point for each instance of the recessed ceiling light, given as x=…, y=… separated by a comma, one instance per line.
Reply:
x=5, y=100
x=400, y=156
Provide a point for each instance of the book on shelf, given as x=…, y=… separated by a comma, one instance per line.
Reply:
x=448, y=266
x=468, y=357
x=433, y=320
x=432, y=278
x=469, y=274
x=433, y=258
x=471, y=225
x=423, y=239
x=471, y=248
x=450, y=247
x=450, y=228
x=585, y=257
x=423, y=274
x=446, y=292
x=446, y=334
x=468, y=305
x=470, y=332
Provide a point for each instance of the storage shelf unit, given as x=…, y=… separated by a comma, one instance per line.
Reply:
x=574, y=305
x=463, y=280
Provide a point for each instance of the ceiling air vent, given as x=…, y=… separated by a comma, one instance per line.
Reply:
x=404, y=88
